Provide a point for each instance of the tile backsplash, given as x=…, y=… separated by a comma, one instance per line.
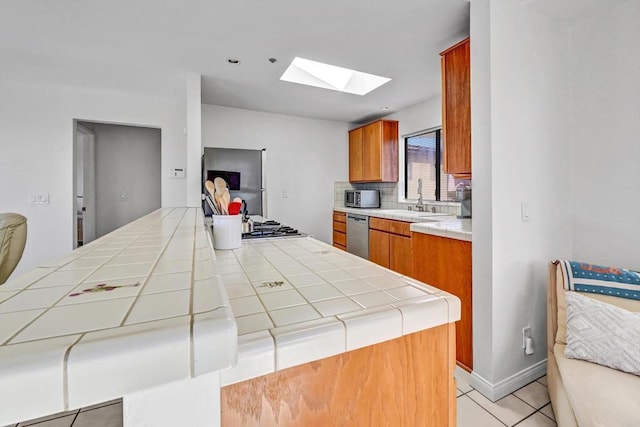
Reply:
x=389, y=196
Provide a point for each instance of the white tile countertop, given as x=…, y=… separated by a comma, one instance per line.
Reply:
x=139, y=307
x=152, y=304
x=459, y=229
x=298, y=300
x=437, y=224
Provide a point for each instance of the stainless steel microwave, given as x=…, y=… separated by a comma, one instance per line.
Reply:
x=362, y=198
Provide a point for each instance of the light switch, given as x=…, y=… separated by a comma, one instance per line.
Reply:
x=176, y=173
x=38, y=198
x=525, y=211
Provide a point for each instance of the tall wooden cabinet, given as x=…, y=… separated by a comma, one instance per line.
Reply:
x=373, y=152
x=456, y=109
x=446, y=264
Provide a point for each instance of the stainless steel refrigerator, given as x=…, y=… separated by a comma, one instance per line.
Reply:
x=244, y=171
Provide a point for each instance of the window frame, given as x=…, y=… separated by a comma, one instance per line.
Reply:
x=438, y=155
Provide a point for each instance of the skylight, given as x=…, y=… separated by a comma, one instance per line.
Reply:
x=318, y=74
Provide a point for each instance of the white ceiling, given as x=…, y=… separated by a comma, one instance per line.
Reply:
x=148, y=46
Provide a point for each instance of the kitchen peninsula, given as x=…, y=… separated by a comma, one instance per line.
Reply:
x=279, y=330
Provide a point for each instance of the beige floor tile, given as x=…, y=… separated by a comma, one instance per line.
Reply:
x=537, y=420
x=106, y=416
x=535, y=394
x=543, y=380
x=64, y=421
x=458, y=392
x=470, y=414
x=463, y=380
x=548, y=411
x=510, y=410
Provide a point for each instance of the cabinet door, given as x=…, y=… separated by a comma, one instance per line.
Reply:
x=379, y=247
x=456, y=109
x=372, y=151
x=400, y=258
x=355, y=155
x=446, y=264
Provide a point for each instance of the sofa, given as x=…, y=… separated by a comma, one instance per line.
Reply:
x=584, y=393
x=13, y=236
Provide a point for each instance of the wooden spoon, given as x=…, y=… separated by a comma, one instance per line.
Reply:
x=210, y=187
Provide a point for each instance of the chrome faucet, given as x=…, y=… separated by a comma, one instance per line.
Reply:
x=420, y=204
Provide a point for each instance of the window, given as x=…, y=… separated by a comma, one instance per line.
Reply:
x=423, y=159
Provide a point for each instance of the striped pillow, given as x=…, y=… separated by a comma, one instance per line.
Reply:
x=595, y=279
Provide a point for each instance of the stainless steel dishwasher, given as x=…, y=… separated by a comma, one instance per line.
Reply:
x=358, y=235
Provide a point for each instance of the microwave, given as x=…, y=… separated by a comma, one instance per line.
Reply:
x=362, y=198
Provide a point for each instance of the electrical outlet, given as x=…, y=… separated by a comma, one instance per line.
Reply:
x=526, y=333
x=285, y=195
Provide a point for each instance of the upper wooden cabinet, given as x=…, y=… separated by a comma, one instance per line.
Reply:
x=373, y=152
x=456, y=109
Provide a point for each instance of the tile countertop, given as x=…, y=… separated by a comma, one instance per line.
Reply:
x=459, y=229
x=443, y=225
x=152, y=303
x=297, y=300
x=139, y=307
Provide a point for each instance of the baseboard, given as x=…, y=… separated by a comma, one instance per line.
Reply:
x=502, y=388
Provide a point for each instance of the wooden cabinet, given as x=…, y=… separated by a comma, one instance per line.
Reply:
x=356, y=155
x=340, y=230
x=379, y=247
x=390, y=245
x=400, y=259
x=373, y=152
x=446, y=264
x=456, y=109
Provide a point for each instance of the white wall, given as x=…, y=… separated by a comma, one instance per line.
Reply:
x=424, y=115
x=36, y=154
x=304, y=158
x=127, y=162
x=522, y=157
x=605, y=66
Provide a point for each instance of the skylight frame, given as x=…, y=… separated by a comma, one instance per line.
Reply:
x=326, y=76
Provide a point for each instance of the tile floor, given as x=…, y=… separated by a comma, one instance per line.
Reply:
x=527, y=407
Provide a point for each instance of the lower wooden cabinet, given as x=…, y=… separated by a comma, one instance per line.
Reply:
x=446, y=264
x=340, y=230
x=390, y=245
x=379, y=247
x=400, y=258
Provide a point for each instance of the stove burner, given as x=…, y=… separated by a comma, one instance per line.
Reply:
x=271, y=229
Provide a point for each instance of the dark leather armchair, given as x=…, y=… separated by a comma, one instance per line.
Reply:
x=13, y=237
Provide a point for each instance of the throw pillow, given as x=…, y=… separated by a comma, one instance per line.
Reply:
x=602, y=333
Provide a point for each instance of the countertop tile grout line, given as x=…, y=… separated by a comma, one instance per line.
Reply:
x=65, y=373
x=54, y=305
x=153, y=267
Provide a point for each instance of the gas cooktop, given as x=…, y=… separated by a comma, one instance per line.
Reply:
x=271, y=229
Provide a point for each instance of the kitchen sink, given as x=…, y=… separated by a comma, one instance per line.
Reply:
x=424, y=216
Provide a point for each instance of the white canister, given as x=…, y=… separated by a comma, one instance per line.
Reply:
x=227, y=231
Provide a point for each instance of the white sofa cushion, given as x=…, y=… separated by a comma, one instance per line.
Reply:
x=602, y=333
x=599, y=396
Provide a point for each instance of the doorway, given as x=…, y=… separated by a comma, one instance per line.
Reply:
x=117, y=177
